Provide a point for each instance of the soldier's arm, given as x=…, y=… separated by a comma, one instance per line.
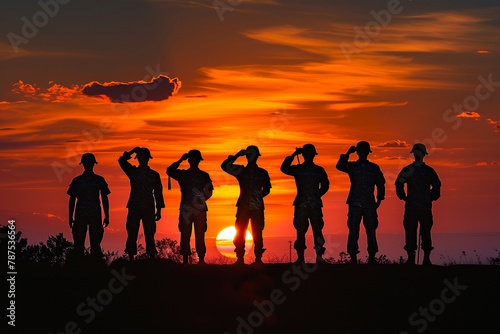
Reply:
x=380, y=184
x=324, y=184
x=266, y=189
x=228, y=165
x=343, y=163
x=158, y=193
x=286, y=166
x=436, y=187
x=126, y=166
x=173, y=169
x=71, y=207
x=400, y=184
x=105, y=208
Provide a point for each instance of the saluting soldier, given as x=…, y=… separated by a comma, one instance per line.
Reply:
x=364, y=176
x=255, y=184
x=196, y=189
x=312, y=183
x=145, y=201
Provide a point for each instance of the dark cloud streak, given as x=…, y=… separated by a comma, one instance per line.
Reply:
x=158, y=89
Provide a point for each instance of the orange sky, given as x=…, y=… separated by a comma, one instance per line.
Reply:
x=272, y=74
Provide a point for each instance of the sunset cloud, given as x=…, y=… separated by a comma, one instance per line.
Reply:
x=496, y=124
x=394, y=144
x=158, y=89
x=469, y=114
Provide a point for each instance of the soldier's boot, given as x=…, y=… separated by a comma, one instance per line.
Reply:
x=131, y=257
x=185, y=259
x=372, y=259
x=201, y=259
x=427, y=258
x=300, y=256
x=258, y=256
x=354, y=258
x=319, y=256
x=411, y=258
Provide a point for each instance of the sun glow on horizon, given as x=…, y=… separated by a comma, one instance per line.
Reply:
x=224, y=242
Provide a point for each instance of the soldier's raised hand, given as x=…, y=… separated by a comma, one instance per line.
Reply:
x=241, y=153
x=352, y=149
x=185, y=156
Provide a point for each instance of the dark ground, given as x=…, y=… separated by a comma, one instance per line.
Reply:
x=166, y=297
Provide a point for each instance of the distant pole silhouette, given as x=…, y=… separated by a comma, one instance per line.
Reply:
x=84, y=190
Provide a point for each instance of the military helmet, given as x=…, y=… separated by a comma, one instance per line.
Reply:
x=419, y=147
x=309, y=148
x=254, y=149
x=365, y=145
x=195, y=154
x=88, y=157
x=143, y=152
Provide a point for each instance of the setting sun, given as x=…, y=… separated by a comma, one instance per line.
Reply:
x=224, y=242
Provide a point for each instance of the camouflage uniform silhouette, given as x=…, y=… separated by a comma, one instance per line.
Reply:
x=424, y=187
x=85, y=189
x=145, y=190
x=254, y=184
x=312, y=183
x=196, y=189
x=364, y=176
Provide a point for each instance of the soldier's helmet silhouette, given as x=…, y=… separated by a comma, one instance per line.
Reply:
x=419, y=148
x=195, y=154
x=88, y=157
x=143, y=152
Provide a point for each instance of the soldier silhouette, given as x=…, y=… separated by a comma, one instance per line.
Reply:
x=312, y=183
x=84, y=190
x=145, y=190
x=424, y=187
x=196, y=188
x=254, y=184
x=364, y=176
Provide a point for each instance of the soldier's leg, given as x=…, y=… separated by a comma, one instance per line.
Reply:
x=301, y=224
x=317, y=224
x=353, y=221
x=410, y=223
x=257, y=224
x=241, y=225
x=149, y=225
x=426, y=222
x=200, y=227
x=79, y=232
x=185, y=227
x=96, y=233
x=370, y=222
x=132, y=226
